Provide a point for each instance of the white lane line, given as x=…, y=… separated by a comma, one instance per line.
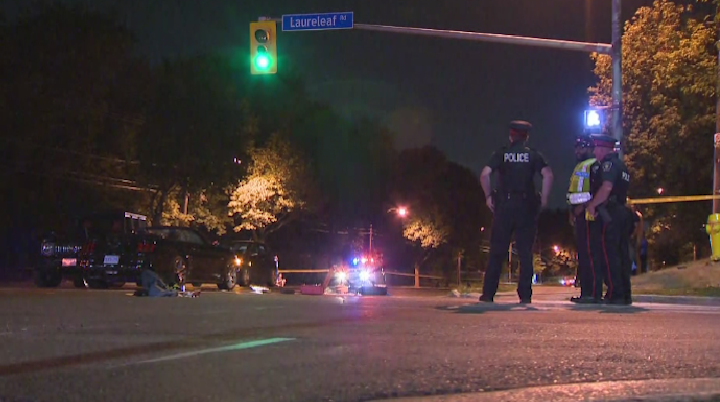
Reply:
x=237, y=346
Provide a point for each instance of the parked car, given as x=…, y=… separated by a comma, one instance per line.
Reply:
x=258, y=266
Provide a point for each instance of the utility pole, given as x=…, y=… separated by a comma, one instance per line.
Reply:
x=716, y=140
x=616, y=54
x=370, y=246
x=459, y=268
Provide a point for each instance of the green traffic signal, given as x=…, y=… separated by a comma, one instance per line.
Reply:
x=262, y=62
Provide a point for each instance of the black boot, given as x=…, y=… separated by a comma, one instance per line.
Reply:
x=486, y=299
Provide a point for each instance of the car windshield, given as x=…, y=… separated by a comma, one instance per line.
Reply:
x=104, y=224
x=238, y=247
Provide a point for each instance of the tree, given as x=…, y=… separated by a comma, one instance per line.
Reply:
x=669, y=79
x=428, y=231
x=207, y=209
x=64, y=73
x=277, y=187
x=198, y=127
x=445, y=203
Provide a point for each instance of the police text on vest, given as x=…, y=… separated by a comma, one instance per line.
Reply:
x=517, y=157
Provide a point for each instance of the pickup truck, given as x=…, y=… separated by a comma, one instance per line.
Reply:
x=179, y=255
x=59, y=252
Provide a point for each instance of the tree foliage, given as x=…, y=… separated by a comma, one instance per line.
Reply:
x=91, y=126
x=427, y=230
x=206, y=208
x=669, y=81
x=277, y=187
x=198, y=126
x=445, y=206
x=67, y=139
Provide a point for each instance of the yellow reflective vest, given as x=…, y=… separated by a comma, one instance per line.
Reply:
x=579, y=191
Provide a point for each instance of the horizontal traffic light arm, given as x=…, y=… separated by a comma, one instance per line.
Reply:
x=586, y=47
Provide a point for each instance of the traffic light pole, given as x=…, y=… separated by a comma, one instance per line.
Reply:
x=614, y=50
x=495, y=38
x=716, y=152
x=616, y=55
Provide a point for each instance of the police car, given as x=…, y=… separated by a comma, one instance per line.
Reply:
x=362, y=279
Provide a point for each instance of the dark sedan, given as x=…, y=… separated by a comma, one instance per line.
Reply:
x=258, y=265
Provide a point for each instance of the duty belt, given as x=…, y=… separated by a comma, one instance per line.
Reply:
x=578, y=198
x=514, y=195
x=614, y=200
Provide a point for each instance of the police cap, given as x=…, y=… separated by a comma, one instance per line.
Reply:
x=603, y=140
x=520, y=125
x=584, y=141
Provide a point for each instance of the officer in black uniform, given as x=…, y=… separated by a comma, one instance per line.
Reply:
x=515, y=206
x=609, y=236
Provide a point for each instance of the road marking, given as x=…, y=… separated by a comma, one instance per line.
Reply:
x=237, y=346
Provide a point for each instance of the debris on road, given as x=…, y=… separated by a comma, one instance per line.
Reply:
x=259, y=289
x=456, y=293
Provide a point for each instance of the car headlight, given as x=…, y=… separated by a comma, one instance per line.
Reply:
x=364, y=276
x=238, y=261
x=341, y=276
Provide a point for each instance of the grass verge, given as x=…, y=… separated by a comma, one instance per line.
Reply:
x=710, y=291
x=697, y=278
x=503, y=287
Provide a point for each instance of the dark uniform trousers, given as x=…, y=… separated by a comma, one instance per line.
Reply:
x=610, y=256
x=514, y=213
x=585, y=273
x=627, y=254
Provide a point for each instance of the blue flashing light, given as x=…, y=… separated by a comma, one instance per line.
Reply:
x=355, y=261
x=593, y=119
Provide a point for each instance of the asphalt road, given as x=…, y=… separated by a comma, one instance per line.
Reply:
x=93, y=345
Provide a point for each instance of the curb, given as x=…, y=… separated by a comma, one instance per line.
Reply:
x=691, y=390
x=692, y=300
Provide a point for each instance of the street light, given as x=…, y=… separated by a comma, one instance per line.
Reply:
x=400, y=211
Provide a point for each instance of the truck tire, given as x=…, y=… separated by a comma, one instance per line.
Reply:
x=244, y=277
x=229, y=280
x=47, y=278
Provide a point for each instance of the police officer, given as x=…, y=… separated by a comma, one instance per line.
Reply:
x=515, y=206
x=578, y=195
x=609, y=239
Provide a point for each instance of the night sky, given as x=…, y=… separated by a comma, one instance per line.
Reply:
x=456, y=95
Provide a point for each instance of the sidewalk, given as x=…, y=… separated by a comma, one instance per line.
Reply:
x=558, y=293
x=692, y=300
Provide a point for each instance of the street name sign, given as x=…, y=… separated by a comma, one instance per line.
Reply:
x=317, y=22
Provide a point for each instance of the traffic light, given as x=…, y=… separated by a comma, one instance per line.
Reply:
x=263, y=47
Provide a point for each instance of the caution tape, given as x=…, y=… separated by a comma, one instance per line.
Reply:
x=303, y=271
x=419, y=276
x=681, y=198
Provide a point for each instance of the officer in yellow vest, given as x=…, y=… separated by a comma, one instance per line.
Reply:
x=579, y=194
